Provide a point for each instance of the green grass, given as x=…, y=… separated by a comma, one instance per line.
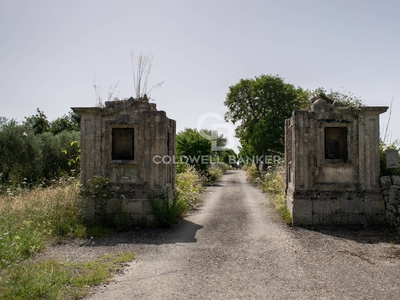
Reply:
x=124, y=257
x=56, y=280
x=31, y=220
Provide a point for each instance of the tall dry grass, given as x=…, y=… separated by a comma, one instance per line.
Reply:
x=29, y=219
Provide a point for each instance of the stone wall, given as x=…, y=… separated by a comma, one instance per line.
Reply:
x=391, y=193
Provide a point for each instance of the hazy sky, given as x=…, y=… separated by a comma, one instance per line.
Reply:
x=51, y=51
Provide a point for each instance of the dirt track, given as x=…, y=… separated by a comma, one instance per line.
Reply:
x=235, y=247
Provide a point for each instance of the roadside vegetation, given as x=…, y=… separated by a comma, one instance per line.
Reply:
x=190, y=184
x=40, y=206
x=36, y=151
x=57, y=280
x=272, y=182
x=41, y=201
x=204, y=158
x=201, y=157
x=33, y=219
x=40, y=193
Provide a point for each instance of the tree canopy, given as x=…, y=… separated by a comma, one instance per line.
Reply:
x=40, y=124
x=218, y=141
x=192, y=144
x=37, y=150
x=260, y=105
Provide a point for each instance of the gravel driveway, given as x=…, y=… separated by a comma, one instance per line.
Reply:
x=235, y=247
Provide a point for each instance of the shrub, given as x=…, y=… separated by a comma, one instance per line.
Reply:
x=253, y=174
x=57, y=151
x=192, y=144
x=34, y=157
x=273, y=181
x=188, y=187
x=19, y=154
x=166, y=213
x=214, y=171
x=182, y=167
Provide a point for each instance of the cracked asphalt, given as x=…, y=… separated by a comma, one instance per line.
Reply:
x=236, y=247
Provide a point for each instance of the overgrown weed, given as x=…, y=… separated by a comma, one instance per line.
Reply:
x=190, y=183
x=35, y=217
x=188, y=187
x=273, y=183
x=166, y=213
x=32, y=219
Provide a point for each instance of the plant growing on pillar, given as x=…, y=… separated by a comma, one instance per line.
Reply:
x=141, y=74
x=166, y=213
x=343, y=100
x=98, y=189
x=99, y=90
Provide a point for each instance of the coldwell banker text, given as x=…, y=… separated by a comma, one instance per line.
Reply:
x=207, y=159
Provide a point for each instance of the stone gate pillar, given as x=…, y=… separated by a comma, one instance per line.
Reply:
x=332, y=165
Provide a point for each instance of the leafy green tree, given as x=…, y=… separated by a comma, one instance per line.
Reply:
x=217, y=139
x=260, y=105
x=20, y=153
x=56, y=153
x=218, y=142
x=194, y=146
x=30, y=154
x=230, y=157
x=38, y=123
x=70, y=122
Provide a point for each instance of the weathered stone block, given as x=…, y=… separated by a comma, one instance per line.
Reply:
x=396, y=180
x=394, y=195
x=88, y=210
x=390, y=218
x=302, y=212
x=354, y=206
x=354, y=219
x=327, y=207
x=374, y=209
x=134, y=205
x=385, y=182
